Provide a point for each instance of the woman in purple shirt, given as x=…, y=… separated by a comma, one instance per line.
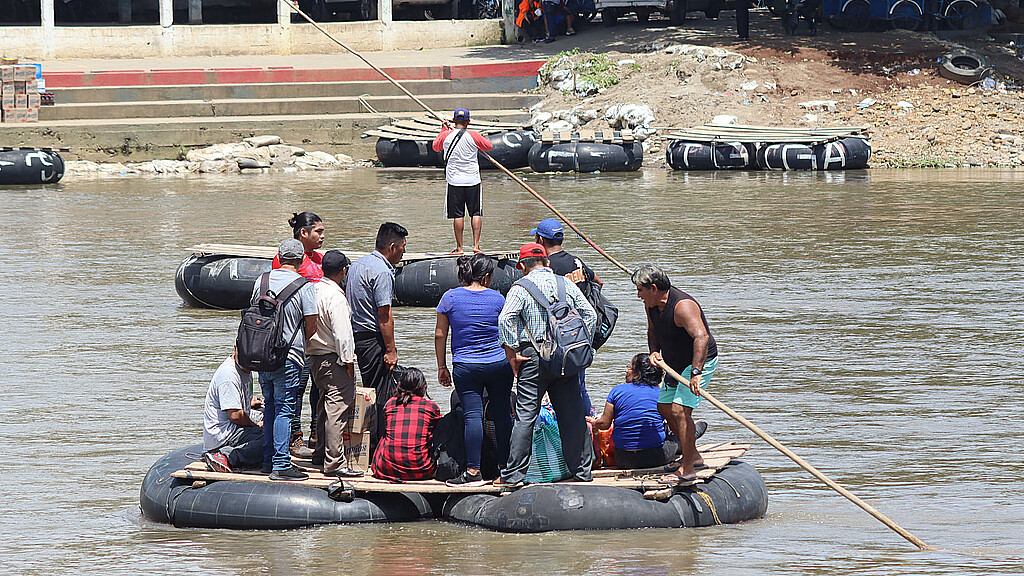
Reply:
x=478, y=361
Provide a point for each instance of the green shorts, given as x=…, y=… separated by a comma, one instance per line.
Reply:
x=674, y=392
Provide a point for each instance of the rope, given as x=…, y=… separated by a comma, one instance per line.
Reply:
x=711, y=505
x=433, y=113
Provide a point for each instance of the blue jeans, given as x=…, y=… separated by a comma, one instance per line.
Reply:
x=588, y=406
x=470, y=381
x=280, y=396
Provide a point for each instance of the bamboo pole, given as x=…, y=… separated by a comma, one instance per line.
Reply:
x=800, y=461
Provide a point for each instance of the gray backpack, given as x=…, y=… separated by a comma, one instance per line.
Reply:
x=567, y=348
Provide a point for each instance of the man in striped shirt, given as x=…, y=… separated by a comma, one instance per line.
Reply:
x=521, y=322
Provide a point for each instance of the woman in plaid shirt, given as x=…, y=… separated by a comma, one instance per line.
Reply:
x=405, y=451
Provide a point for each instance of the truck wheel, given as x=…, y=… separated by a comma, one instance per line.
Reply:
x=609, y=16
x=677, y=15
x=643, y=16
x=714, y=9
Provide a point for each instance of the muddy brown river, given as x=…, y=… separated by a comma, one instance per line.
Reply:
x=872, y=322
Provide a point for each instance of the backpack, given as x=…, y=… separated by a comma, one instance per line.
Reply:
x=607, y=313
x=261, y=346
x=567, y=348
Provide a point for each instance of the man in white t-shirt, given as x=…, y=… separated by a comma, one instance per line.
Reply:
x=231, y=438
x=462, y=173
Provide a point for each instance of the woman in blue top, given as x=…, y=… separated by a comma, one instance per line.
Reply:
x=478, y=361
x=639, y=432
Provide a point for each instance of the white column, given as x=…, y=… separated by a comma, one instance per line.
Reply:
x=46, y=13
x=195, y=11
x=384, y=11
x=166, y=13
x=284, y=13
x=124, y=10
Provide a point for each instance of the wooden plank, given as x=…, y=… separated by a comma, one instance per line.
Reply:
x=269, y=252
x=714, y=459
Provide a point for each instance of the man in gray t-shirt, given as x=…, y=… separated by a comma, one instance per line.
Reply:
x=231, y=438
x=281, y=388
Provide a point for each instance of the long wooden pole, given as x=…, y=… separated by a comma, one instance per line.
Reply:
x=433, y=113
x=764, y=436
x=800, y=461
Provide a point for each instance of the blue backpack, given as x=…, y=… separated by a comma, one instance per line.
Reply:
x=567, y=348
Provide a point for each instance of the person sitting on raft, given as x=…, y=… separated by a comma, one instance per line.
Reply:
x=405, y=451
x=478, y=361
x=231, y=438
x=639, y=431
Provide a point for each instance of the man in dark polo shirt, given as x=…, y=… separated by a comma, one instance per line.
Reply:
x=678, y=334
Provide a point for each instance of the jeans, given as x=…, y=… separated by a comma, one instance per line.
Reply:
x=588, y=406
x=566, y=399
x=244, y=448
x=470, y=381
x=280, y=396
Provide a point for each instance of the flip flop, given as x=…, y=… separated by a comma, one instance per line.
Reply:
x=676, y=465
x=677, y=480
x=456, y=253
x=477, y=251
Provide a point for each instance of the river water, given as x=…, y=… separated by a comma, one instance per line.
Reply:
x=872, y=322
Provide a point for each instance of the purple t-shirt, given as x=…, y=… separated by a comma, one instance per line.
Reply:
x=473, y=317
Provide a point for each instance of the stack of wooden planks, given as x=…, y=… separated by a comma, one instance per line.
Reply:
x=269, y=252
x=716, y=456
x=607, y=136
x=765, y=134
x=420, y=129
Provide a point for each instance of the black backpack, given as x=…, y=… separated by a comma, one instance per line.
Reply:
x=567, y=348
x=261, y=346
x=607, y=313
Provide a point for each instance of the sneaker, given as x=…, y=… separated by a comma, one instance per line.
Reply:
x=549, y=40
x=293, y=473
x=570, y=32
x=345, y=472
x=467, y=479
x=299, y=448
x=217, y=462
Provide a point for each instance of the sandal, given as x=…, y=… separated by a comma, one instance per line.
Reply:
x=677, y=480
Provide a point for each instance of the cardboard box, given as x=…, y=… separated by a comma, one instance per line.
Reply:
x=6, y=74
x=31, y=86
x=21, y=101
x=24, y=73
x=32, y=115
x=362, y=410
x=33, y=100
x=20, y=87
x=357, y=450
x=7, y=100
x=15, y=115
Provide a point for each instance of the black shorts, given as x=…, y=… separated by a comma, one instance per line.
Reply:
x=461, y=199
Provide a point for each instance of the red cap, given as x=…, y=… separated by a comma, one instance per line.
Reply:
x=532, y=250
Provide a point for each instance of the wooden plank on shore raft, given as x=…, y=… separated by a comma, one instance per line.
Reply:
x=765, y=134
x=269, y=252
x=716, y=457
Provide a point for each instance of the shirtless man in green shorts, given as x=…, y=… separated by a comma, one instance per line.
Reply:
x=678, y=334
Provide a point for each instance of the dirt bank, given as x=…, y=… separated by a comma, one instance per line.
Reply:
x=885, y=80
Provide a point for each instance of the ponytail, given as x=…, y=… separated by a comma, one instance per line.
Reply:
x=410, y=383
x=474, y=268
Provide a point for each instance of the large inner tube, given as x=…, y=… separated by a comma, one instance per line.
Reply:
x=511, y=149
x=736, y=493
x=585, y=157
x=423, y=282
x=30, y=167
x=704, y=156
x=845, y=153
x=218, y=281
x=786, y=157
x=409, y=153
x=261, y=505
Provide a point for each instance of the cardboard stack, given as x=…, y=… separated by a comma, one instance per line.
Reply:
x=357, y=444
x=19, y=93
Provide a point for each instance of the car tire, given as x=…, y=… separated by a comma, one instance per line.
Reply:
x=678, y=14
x=964, y=66
x=609, y=16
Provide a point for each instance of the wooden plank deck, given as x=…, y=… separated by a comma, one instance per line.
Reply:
x=765, y=134
x=427, y=128
x=716, y=456
x=269, y=252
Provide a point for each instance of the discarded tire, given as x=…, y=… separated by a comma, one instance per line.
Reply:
x=511, y=149
x=964, y=66
x=408, y=153
x=30, y=166
x=585, y=157
x=704, y=156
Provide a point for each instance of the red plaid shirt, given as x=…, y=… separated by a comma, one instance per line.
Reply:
x=405, y=452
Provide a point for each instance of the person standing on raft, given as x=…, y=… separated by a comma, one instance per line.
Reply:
x=678, y=334
x=462, y=175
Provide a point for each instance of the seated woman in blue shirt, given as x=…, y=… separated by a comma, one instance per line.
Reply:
x=639, y=432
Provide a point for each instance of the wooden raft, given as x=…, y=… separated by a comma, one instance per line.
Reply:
x=606, y=136
x=420, y=129
x=269, y=252
x=744, y=134
x=716, y=456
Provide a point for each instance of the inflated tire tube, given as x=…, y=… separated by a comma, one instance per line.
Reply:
x=511, y=149
x=737, y=492
x=218, y=281
x=408, y=153
x=843, y=154
x=704, y=156
x=261, y=505
x=28, y=166
x=585, y=157
x=423, y=282
x=786, y=157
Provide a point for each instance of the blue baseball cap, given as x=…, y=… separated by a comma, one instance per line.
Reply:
x=549, y=228
x=461, y=114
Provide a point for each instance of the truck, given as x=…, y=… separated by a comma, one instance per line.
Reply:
x=675, y=10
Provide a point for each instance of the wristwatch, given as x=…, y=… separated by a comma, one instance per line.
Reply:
x=696, y=372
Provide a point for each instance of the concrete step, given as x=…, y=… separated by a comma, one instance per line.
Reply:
x=133, y=94
x=280, y=106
